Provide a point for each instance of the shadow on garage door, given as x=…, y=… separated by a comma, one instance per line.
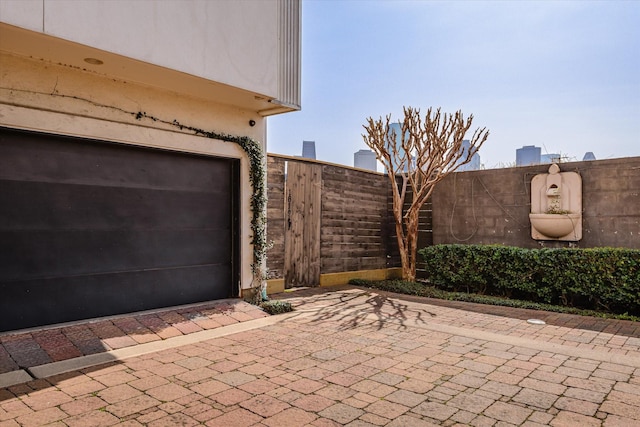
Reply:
x=90, y=229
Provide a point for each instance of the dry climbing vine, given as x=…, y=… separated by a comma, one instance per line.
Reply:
x=257, y=176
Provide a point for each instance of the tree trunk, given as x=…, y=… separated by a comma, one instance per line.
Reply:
x=402, y=239
x=410, y=246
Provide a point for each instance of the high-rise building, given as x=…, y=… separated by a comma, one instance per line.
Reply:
x=474, y=164
x=528, y=155
x=309, y=149
x=589, y=156
x=365, y=159
x=395, y=129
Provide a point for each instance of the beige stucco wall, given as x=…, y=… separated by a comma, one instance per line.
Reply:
x=45, y=97
x=234, y=42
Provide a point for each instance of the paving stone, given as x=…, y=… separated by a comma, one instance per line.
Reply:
x=571, y=419
x=621, y=409
x=45, y=399
x=235, y=378
x=373, y=419
x=471, y=402
x=337, y=392
x=387, y=409
x=406, y=398
x=575, y=405
x=82, y=388
x=343, y=378
x=435, y=410
x=601, y=386
x=505, y=378
x=617, y=421
x=230, y=397
x=468, y=380
x=168, y=392
x=361, y=423
x=118, y=393
x=42, y=417
x=628, y=388
x=328, y=354
x=510, y=413
x=482, y=421
x=27, y=357
x=611, y=375
x=174, y=420
x=237, y=418
x=306, y=386
x=132, y=405
x=313, y=403
x=381, y=362
x=416, y=385
x=291, y=417
x=536, y=399
x=92, y=419
x=193, y=362
x=341, y=413
x=264, y=405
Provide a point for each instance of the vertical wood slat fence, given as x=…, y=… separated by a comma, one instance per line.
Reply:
x=303, y=190
x=356, y=225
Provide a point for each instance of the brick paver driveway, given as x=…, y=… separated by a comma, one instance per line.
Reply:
x=354, y=357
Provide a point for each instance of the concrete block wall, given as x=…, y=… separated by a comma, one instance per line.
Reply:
x=492, y=206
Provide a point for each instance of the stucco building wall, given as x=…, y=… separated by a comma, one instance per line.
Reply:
x=230, y=42
x=133, y=72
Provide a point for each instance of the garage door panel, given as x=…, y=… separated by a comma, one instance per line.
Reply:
x=37, y=205
x=104, y=295
x=89, y=228
x=58, y=160
x=41, y=254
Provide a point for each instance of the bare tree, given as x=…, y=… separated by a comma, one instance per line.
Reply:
x=426, y=151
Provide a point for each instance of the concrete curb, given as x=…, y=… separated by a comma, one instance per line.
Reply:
x=14, y=377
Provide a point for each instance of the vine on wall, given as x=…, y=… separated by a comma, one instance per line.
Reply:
x=257, y=178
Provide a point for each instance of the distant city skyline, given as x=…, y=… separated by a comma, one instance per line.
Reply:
x=309, y=149
x=564, y=76
x=365, y=159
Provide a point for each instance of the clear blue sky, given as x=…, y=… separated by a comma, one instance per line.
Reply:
x=562, y=75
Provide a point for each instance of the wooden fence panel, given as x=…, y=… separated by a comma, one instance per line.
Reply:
x=354, y=230
x=355, y=220
x=275, y=216
x=302, y=224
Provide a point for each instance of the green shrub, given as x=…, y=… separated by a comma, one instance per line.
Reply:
x=276, y=306
x=600, y=278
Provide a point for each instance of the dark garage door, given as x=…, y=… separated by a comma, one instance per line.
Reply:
x=89, y=229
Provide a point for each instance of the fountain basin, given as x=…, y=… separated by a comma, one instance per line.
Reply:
x=555, y=226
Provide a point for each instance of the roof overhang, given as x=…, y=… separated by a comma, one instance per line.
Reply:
x=19, y=41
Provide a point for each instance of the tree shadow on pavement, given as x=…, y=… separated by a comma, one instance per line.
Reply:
x=354, y=308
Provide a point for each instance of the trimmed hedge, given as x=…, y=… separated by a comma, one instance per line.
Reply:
x=598, y=278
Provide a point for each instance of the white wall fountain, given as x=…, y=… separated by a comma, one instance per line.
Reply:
x=556, y=205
